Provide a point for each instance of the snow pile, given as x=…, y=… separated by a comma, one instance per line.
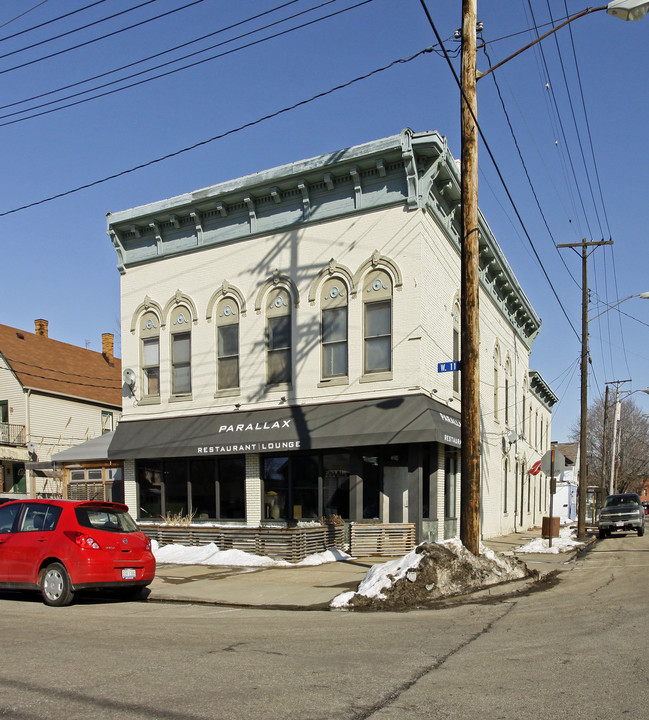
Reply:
x=566, y=542
x=210, y=554
x=430, y=572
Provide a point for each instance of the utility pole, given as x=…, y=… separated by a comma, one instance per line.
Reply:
x=602, y=482
x=470, y=285
x=583, y=423
x=616, y=418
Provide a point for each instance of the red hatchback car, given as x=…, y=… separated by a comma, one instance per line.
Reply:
x=61, y=546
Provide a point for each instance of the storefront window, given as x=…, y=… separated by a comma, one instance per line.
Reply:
x=175, y=481
x=232, y=488
x=371, y=486
x=275, y=479
x=203, y=489
x=335, y=484
x=304, y=472
x=149, y=476
x=450, y=482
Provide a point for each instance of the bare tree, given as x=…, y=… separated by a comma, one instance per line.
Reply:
x=631, y=465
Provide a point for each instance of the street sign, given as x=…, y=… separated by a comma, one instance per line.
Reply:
x=559, y=462
x=451, y=366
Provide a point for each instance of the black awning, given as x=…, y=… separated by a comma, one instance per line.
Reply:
x=384, y=421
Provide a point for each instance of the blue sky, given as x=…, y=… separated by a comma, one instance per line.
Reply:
x=580, y=126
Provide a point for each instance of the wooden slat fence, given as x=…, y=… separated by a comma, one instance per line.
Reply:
x=391, y=539
x=292, y=544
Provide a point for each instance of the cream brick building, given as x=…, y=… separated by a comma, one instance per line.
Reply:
x=281, y=337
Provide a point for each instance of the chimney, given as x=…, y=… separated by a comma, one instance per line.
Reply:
x=41, y=327
x=107, y=346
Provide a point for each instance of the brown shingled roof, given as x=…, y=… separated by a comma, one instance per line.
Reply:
x=48, y=365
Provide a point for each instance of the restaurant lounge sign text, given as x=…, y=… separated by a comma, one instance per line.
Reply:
x=221, y=446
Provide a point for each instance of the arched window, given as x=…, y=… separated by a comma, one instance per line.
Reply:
x=508, y=372
x=181, y=351
x=333, y=301
x=278, y=337
x=496, y=382
x=227, y=344
x=150, y=355
x=524, y=412
x=377, y=326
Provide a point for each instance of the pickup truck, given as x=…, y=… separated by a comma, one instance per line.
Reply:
x=621, y=512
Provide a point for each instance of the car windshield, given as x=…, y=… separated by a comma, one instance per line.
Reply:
x=616, y=500
x=99, y=518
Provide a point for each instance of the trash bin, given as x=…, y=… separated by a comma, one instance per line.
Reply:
x=546, y=527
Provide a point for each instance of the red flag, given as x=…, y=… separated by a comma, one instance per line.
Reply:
x=536, y=468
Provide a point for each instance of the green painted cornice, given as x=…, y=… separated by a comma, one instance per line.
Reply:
x=541, y=390
x=412, y=169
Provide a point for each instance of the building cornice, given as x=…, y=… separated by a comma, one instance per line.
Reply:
x=412, y=169
x=541, y=390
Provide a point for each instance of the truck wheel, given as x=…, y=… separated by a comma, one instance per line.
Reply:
x=640, y=531
x=602, y=534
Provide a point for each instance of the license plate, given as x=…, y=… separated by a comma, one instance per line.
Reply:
x=619, y=524
x=128, y=574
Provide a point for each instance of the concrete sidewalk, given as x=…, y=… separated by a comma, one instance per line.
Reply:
x=306, y=588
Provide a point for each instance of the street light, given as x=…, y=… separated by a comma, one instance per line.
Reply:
x=643, y=296
x=628, y=9
x=470, y=267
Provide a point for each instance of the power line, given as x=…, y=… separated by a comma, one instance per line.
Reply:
x=139, y=62
x=26, y=12
x=497, y=168
x=527, y=174
x=201, y=143
x=101, y=37
x=179, y=69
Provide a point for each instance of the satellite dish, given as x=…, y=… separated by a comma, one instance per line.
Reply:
x=511, y=436
x=129, y=377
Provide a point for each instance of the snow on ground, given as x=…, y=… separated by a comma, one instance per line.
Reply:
x=566, y=542
x=211, y=555
x=430, y=572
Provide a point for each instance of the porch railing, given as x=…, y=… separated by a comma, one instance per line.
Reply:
x=12, y=434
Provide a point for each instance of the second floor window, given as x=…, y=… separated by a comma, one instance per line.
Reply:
x=181, y=378
x=181, y=352
x=278, y=338
x=334, y=329
x=227, y=345
x=149, y=333
x=377, y=297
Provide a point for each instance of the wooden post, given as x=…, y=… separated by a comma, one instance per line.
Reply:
x=583, y=422
x=470, y=284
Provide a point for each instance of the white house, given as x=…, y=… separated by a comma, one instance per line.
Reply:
x=282, y=336
x=53, y=396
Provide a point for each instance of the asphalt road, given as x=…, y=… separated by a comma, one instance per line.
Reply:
x=576, y=650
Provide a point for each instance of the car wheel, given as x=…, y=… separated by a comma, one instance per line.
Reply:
x=640, y=531
x=56, y=588
x=602, y=534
